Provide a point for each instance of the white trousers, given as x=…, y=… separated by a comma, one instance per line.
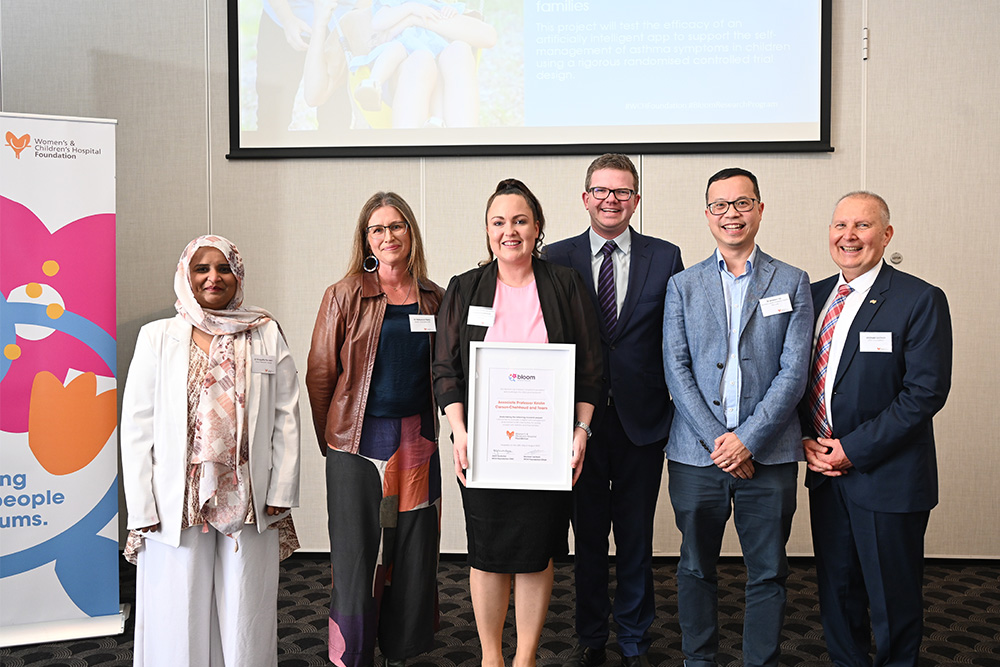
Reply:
x=203, y=604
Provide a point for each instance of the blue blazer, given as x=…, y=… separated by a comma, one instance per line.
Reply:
x=774, y=361
x=632, y=357
x=882, y=403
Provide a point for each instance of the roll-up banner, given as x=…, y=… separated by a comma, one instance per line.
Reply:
x=58, y=396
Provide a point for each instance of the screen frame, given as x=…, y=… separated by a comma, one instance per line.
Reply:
x=821, y=145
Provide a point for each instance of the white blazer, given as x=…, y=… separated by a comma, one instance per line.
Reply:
x=154, y=428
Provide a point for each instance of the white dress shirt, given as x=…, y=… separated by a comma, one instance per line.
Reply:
x=852, y=304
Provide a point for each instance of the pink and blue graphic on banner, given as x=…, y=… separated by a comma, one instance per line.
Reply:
x=58, y=455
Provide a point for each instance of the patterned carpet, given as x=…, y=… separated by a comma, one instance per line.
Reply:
x=962, y=619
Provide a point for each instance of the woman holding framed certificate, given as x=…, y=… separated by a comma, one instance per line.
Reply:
x=514, y=297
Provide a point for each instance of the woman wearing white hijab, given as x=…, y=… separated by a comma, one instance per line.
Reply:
x=210, y=460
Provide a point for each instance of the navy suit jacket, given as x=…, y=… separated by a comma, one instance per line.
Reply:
x=774, y=361
x=633, y=367
x=882, y=403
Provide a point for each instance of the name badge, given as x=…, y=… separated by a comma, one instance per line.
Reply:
x=773, y=305
x=263, y=363
x=422, y=323
x=481, y=316
x=876, y=341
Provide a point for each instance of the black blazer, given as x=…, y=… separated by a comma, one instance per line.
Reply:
x=883, y=403
x=569, y=318
x=633, y=358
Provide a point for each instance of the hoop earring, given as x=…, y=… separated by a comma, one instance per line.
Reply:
x=368, y=260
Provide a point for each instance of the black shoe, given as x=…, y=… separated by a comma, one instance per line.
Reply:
x=584, y=656
x=635, y=660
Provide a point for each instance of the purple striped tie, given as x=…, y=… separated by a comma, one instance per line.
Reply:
x=606, y=288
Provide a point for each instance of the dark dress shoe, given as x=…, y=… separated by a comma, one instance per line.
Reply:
x=636, y=660
x=584, y=656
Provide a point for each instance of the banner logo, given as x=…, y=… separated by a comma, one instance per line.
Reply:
x=18, y=144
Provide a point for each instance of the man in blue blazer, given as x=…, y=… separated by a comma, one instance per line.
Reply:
x=883, y=373
x=736, y=336
x=624, y=461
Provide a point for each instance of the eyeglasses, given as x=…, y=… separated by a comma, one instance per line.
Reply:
x=397, y=229
x=621, y=194
x=743, y=205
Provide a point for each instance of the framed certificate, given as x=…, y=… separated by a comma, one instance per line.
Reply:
x=521, y=411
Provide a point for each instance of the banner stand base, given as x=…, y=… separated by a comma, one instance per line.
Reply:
x=59, y=631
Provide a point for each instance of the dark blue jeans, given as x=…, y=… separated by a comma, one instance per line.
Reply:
x=762, y=508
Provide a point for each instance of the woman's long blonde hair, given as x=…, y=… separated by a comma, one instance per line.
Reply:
x=417, y=265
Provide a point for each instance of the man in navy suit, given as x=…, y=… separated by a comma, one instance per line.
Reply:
x=624, y=460
x=869, y=439
x=736, y=357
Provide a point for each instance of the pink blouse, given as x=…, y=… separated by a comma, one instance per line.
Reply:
x=517, y=315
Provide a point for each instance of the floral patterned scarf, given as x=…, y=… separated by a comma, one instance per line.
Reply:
x=223, y=475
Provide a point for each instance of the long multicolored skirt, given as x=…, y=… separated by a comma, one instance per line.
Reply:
x=384, y=508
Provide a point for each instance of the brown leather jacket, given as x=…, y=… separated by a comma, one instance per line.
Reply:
x=342, y=356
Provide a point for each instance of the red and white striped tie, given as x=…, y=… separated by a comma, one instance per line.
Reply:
x=817, y=383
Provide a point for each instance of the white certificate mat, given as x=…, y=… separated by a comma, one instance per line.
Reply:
x=521, y=412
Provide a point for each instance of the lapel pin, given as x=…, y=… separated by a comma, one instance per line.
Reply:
x=873, y=301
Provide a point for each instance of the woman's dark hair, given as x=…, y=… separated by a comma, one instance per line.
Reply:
x=512, y=186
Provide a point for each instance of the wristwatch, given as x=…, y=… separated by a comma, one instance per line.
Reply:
x=585, y=427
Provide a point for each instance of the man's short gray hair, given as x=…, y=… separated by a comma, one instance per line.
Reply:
x=883, y=208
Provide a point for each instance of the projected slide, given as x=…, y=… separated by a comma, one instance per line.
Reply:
x=397, y=76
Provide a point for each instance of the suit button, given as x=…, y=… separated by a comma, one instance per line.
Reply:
x=721, y=365
x=612, y=348
x=716, y=403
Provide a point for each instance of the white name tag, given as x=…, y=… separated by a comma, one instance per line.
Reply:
x=263, y=363
x=876, y=341
x=481, y=316
x=422, y=323
x=774, y=305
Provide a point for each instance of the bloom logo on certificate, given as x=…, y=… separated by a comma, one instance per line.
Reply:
x=521, y=416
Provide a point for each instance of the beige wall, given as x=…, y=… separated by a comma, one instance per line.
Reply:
x=917, y=123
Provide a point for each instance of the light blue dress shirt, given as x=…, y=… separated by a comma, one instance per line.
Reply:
x=735, y=289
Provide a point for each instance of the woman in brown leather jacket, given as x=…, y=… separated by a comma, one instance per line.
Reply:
x=369, y=383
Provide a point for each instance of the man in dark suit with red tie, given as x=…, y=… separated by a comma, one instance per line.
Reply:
x=627, y=274
x=881, y=371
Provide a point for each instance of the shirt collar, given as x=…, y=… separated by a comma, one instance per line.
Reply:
x=720, y=260
x=623, y=241
x=862, y=283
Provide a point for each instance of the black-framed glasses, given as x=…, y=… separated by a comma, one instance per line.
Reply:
x=397, y=229
x=743, y=205
x=621, y=194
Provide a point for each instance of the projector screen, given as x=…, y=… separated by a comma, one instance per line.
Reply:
x=498, y=77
